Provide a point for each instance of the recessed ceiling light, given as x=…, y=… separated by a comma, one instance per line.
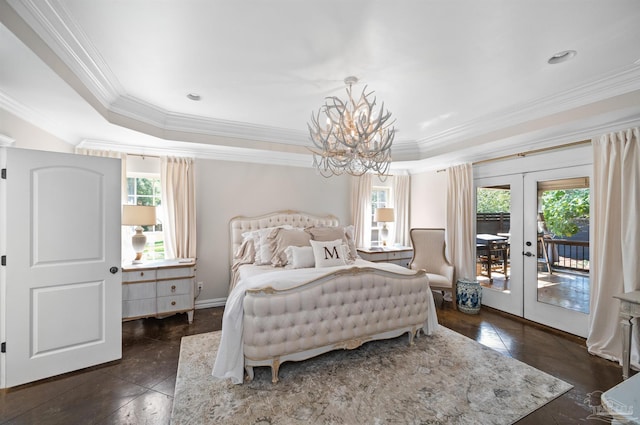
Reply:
x=563, y=56
x=194, y=96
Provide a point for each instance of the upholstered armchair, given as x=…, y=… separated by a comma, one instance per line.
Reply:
x=429, y=255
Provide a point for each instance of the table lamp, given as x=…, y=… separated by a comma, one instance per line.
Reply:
x=138, y=215
x=384, y=216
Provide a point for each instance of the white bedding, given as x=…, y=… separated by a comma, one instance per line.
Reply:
x=230, y=357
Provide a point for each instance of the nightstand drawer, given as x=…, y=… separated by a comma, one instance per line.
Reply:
x=139, y=308
x=174, y=303
x=395, y=255
x=136, y=291
x=176, y=272
x=174, y=287
x=139, y=275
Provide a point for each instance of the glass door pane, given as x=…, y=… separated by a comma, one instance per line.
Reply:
x=493, y=227
x=556, y=248
x=563, y=243
x=498, y=230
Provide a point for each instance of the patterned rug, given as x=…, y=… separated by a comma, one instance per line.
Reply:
x=445, y=378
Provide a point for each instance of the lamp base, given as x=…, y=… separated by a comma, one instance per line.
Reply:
x=384, y=234
x=139, y=240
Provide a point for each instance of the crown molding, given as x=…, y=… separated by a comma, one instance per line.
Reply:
x=518, y=145
x=33, y=117
x=144, y=112
x=6, y=141
x=616, y=83
x=54, y=25
x=203, y=151
x=51, y=22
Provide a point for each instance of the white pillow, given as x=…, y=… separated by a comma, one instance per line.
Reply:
x=261, y=244
x=327, y=254
x=299, y=257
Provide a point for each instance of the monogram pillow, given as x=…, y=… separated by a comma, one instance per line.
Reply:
x=330, y=253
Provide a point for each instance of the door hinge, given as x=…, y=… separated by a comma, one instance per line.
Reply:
x=3, y=173
x=3, y=261
x=3, y=347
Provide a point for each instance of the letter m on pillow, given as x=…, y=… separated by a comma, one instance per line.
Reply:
x=331, y=253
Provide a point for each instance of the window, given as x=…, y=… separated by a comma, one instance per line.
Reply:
x=145, y=190
x=380, y=198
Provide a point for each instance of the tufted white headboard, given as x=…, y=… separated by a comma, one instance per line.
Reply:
x=239, y=225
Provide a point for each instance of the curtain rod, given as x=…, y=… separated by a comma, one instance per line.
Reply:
x=534, y=151
x=523, y=154
x=143, y=155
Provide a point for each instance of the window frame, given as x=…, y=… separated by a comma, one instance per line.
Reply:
x=375, y=204
x=155, y=232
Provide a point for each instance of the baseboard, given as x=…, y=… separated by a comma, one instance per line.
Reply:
x=214, y=302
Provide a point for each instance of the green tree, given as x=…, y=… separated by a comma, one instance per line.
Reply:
x=489, y=200
x=561, y=208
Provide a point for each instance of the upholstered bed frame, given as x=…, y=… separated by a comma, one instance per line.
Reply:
x=340, y=310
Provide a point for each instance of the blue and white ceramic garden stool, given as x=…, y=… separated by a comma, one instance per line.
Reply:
x=468, y=296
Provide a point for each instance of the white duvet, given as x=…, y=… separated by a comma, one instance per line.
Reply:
x=230, y=358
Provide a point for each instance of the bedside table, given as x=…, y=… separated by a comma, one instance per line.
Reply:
x=400, y=255
x=158, y=289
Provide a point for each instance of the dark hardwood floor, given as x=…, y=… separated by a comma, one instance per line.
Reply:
x=139, y=388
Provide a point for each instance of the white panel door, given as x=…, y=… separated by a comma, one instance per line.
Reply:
x=62, y=309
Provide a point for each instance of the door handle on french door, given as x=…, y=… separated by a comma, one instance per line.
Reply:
x=113, y=270
x=528, y=254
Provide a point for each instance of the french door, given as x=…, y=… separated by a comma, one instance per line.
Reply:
x=498, y=265
x=525, y=269
x=556, y=264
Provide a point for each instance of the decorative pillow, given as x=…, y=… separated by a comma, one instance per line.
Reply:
x=327, y=254
x=246, y=252
x=261, y=243
x=280, y=239
x=252, y=237
x=350, y=233
x=319, y=233
x=299, y=257
x=326, y=233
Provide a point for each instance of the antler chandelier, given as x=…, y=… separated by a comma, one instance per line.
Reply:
x=351, y=137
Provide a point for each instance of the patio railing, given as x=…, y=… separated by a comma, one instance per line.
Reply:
x=568, y=254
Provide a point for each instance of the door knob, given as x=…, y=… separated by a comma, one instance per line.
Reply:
x=113, y=270
x=528, y=254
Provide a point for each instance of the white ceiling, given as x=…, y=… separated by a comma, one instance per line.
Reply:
x=465, y=80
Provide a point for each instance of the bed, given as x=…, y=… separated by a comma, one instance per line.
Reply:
x=281, y=308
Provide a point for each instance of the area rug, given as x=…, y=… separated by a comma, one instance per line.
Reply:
x=445, y=378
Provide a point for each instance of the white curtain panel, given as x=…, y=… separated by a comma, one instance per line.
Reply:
x=616, y=240
x=459, y=221
x=361, y=209
x=177, y=178
x=401, y=191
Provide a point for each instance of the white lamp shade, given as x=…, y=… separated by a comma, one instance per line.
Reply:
x=138, y=215
x=384, y=215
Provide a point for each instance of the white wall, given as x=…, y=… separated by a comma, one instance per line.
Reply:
x=227, y=189
x=428, y=199
x=28, y=136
